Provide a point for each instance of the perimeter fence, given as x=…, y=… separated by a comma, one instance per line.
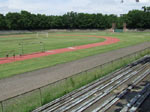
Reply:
x=31, y=100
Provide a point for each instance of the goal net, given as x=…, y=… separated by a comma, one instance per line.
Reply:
x=31, y=47
x=41, y=34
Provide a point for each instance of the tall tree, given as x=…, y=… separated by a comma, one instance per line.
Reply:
x=2, y=22
x=12, y=21
x=135, y=19
x=72, y=20
x=26, y=20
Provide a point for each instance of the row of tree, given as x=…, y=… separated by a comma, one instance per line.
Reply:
x=72, y=20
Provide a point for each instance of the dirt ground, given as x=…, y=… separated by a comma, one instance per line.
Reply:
x=22, y=83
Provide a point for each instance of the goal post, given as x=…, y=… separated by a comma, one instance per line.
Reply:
x=42, y=34
x=31, y=47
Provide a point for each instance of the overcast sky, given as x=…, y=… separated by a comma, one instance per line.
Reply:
x=59, y=7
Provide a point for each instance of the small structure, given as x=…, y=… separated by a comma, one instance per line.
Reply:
x=113, y=27
x=124, y=27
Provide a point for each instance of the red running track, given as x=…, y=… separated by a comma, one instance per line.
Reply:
x=109, y=40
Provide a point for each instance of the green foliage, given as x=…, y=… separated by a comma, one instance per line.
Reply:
x=13, y=21
x=2, y=22
x=136, y=19
x=72, y=20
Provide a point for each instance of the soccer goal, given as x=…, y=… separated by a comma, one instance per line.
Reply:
x=31, y=47
x=42, y=34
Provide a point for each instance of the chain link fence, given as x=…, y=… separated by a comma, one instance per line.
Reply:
x=31, y=100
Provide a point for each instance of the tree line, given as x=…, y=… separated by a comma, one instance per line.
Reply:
x=25, y=20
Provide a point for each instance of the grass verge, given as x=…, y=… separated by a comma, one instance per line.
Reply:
x=1, y=108
x=34, y=99
x=23, y=103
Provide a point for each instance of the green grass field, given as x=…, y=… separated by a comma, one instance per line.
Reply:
x=55, y=42
x=31, y=43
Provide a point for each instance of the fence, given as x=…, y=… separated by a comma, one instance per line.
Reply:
x=118, y=30
x=31, y=100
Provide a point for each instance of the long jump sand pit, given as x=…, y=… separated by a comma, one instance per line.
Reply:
x=108, y=41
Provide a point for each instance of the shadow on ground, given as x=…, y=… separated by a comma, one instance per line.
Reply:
x=145, y=107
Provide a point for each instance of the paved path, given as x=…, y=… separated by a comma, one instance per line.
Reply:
x=25, y=82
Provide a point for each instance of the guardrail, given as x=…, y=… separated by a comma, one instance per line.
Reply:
x=30, y=100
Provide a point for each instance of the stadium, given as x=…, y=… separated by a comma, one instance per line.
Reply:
x=78, y=61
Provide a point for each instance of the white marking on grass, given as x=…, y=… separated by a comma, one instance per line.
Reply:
x=71, y=48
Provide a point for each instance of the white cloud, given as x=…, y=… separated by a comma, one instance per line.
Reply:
x=145, y=1
x=57, y=7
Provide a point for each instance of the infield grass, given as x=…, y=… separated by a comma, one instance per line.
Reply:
x=30, y=43
x=127, y=39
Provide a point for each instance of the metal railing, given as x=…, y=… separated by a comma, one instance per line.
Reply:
x=30, y=100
